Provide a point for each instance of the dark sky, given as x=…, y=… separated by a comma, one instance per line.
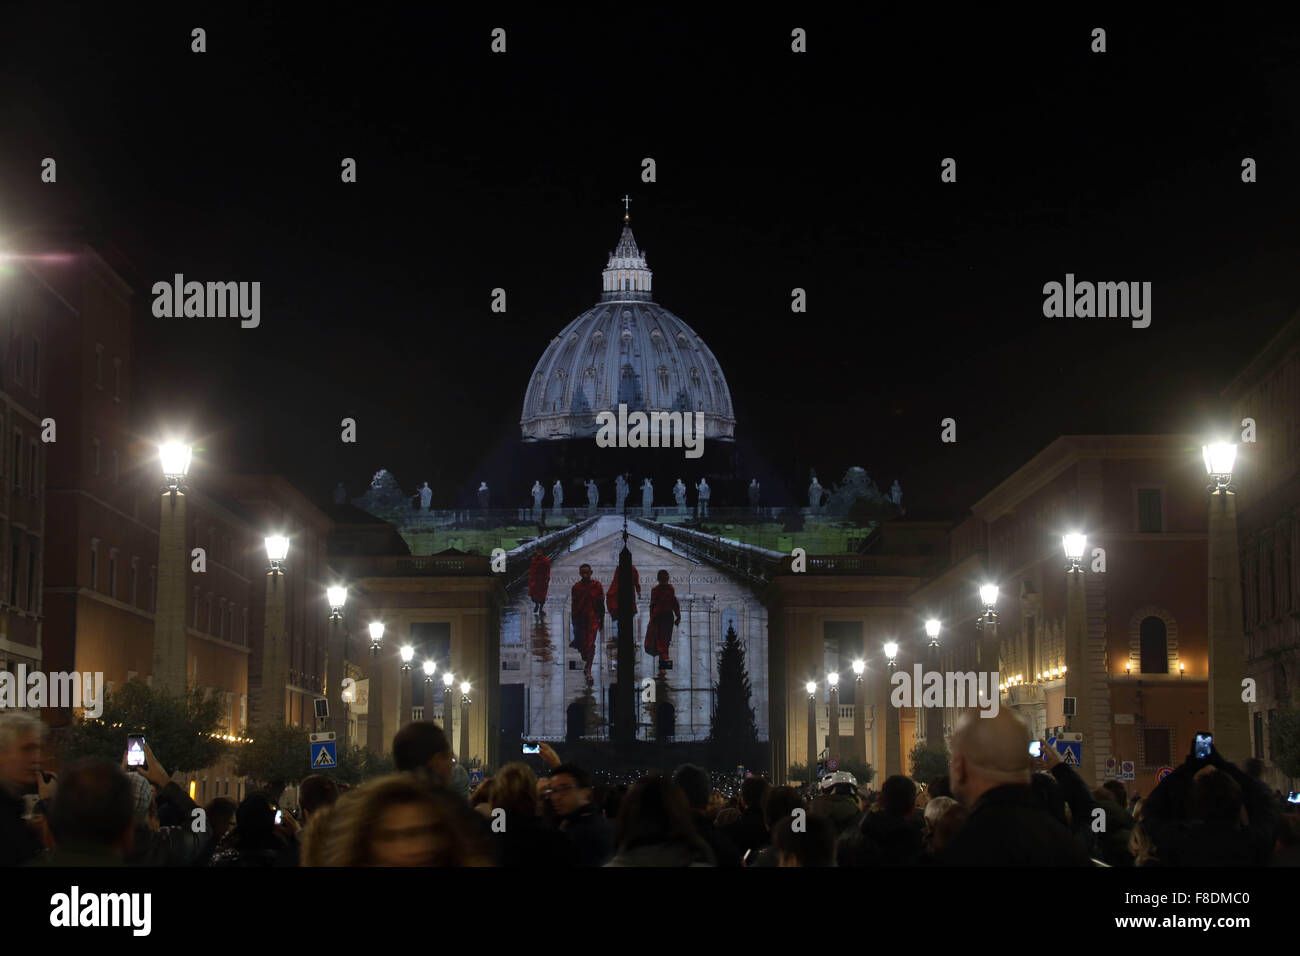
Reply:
x=774, y=171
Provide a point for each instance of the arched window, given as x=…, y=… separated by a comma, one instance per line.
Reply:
x=1154, y=646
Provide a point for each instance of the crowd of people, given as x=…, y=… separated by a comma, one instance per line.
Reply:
x=997, y=806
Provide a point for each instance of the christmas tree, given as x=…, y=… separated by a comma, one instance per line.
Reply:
x=733, y=733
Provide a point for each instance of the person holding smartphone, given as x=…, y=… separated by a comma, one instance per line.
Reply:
x=154, y=844
x=1209, y=813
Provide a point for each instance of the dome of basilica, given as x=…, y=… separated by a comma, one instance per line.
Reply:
x=629, y=350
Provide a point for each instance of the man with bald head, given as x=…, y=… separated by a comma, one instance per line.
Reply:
x=1008, y=824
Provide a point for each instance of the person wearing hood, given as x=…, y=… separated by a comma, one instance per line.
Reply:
x=838, y=802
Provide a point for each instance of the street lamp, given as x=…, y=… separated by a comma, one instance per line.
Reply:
x=811, y=688
x=408, y=654
x=277, y=549
x=429, y=667
x=1219, y=459
x=989, y=596
x=175, y=459
x=338, y=596
x=376, y=637
x=859, y=712
x=833, y=714
x=1074, y=545
x=833, y=679
x=464, y=692
x=891, y=652
x=932, y=628
x=448, y=679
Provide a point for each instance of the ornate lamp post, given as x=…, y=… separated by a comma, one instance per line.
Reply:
x=893, y=754
x=1076, y=644
x=833, y=712
x=429, y=667
x=335, y=655
x=933, y=716
x=275, y=652
x=859, y=712
x=987, y=625
x=1228, y=716
x=464, y=721
x=170, y=644
x=375, y=711
x=811, y=687
x=448, y=679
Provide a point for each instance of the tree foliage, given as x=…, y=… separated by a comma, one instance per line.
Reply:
x=179, y=727
x=278, y=756
x=361, y=763
x=733, y=732
x=1284, y=739
x=928, y=762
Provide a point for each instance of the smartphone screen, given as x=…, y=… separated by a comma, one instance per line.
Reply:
x=1293, y=797
x=1203, y=744
x=1035, y=748
x=135, y=750
x=279, y=817
x=532, y=748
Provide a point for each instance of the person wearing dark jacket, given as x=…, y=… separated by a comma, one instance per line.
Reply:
x=580, y=820
x=253, y=842
x=90, y=817
x=156, y=845
x=1008, y=824
x=1194, y=815
x=695, y=783
x=750, y=831
x=20, y=774
x=655, y=828
x=890, y=835
x=519, y=836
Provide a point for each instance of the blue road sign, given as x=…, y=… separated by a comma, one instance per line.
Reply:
x=832, y=765
x=1071, y=751
x=475, y=777
x=324, y=755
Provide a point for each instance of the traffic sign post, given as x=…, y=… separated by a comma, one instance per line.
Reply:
x=1110, y=767
x=324, y=755
x=1163, y=772
x=832, y=765
x=1126, y=770
x=1070, y=746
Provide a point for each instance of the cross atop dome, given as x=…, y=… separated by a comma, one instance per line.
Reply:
x=626, y=199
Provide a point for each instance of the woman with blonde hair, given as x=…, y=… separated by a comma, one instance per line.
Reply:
x=398, y=821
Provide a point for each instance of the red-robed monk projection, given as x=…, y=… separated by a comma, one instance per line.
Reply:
x=588, y=611
x=539, y=580
x=611, y=596
x=665, y=613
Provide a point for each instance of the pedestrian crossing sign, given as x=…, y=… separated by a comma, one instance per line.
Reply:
x=324, y=755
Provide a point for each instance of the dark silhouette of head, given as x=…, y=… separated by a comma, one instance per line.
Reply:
x=92, y=807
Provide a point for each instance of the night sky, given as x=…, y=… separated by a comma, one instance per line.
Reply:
x=775, y=170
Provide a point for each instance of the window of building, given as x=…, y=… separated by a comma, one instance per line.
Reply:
x=117, y=379
x=14, y=569
x=31, y=580
x=112, y=573
x=94, y=564
x=1157, y=746
x=1154, y=643
x=1150, y=512
x=18, y=358
x=135, y=581
x=99, y=365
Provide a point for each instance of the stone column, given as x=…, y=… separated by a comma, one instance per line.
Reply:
x=1077, y=669
x=934, y=715
x=812, y=738
x=275, y=663
x=336, y=642
x=1228, y=715
x=833, y=713
x=893, y=743
x=375, y=713
x=464, y=754
x=169, y=641
x=859, y=720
